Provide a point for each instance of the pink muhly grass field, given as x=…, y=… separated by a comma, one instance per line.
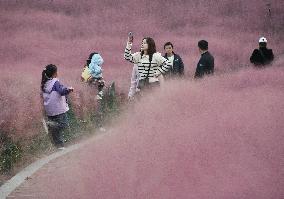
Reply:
x=36, y=33
x=220, y=137
x=217, y=138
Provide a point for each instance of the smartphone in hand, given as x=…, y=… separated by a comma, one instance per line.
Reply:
x=130, y=37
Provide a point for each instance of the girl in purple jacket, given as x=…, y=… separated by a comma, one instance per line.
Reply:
x=55, y=105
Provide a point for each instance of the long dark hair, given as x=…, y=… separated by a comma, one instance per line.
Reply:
x=47, y=74
x=88, y=61
x=151, y=47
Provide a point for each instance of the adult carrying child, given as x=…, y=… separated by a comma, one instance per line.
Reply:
x=92, y=73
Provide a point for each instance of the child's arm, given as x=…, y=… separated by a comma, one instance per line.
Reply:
x=62, y=90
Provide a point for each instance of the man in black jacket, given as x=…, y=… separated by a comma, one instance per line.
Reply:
x=262, y=56
x=177, y=69
x=205, y=65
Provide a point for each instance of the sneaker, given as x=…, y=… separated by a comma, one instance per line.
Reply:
x=61, y=148
x=99, y=97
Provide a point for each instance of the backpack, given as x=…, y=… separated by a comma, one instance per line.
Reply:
x=86, y=75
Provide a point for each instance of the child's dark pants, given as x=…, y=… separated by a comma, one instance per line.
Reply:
x=56, y=128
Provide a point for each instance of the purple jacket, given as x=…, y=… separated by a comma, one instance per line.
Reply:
x=54, y=99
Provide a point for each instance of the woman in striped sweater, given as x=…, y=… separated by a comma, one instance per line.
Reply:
x=151, y=64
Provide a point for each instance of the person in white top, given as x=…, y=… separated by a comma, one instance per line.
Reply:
x=150, y=63
x=134, y=82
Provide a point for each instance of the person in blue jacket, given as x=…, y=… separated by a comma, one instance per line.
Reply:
x=94, y=63
x=177, y=66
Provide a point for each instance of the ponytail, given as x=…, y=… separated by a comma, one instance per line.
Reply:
x=43, y=79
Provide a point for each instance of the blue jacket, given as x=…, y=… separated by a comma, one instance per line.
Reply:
x=178, y=66
x=95, y=66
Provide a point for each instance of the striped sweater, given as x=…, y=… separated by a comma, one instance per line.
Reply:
x=159, y=64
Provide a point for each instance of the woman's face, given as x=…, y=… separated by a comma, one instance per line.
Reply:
x=144, y=45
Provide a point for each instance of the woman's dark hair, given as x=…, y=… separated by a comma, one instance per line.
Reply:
x=168, y=44
x=151, y=47
x=47, y=74
x=88, y=61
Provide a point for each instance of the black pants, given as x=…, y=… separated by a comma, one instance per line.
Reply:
x=58, y=124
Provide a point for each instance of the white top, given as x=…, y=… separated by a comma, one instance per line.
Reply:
x=159, y=64
x=134, y=81
x=171, y=60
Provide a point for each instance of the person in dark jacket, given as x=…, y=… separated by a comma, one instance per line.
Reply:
x=205, y=65
x=263, y=55
x=177, y=67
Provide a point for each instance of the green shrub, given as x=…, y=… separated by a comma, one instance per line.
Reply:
x=11, y=152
